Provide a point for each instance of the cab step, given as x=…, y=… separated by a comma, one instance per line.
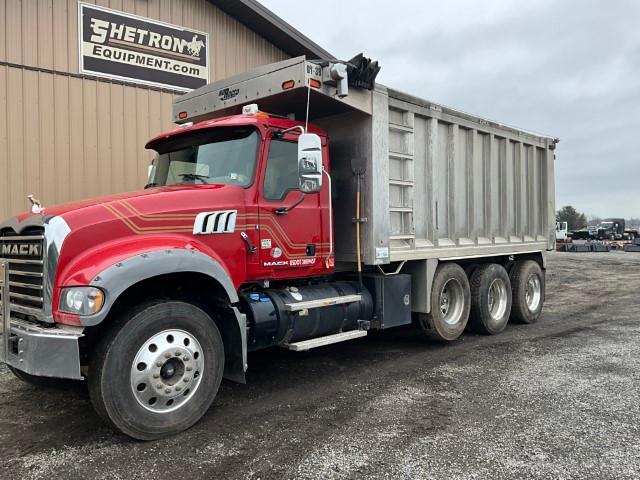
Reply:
x=322, y=341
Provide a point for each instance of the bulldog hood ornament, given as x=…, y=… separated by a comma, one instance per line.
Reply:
x=36, y=206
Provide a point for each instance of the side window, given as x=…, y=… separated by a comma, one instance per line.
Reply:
x=281, y=174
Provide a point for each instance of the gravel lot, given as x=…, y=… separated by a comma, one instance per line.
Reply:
x=558, y=399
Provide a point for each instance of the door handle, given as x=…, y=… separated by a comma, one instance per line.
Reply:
x=252, y=248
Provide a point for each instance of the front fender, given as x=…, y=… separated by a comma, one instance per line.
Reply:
x=117, y=278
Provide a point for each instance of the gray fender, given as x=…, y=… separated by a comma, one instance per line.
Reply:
x=119, y=277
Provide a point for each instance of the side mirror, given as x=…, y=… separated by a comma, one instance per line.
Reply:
x=309, y=163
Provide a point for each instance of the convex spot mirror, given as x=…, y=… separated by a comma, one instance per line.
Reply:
x=151, y=171
x=309, y=163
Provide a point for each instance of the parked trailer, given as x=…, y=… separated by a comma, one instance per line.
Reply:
x=298, y=205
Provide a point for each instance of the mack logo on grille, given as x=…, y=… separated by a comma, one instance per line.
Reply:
x=24, y=250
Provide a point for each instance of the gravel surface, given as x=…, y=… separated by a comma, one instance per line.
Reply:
x=558, y=399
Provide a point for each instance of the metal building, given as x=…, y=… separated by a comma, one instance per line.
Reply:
x=70, y=129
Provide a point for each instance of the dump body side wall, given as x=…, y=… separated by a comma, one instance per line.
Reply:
x=442, y=184
x=459, y=187
x=439, y=183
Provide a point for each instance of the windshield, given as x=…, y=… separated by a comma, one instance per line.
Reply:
x=217, y=156
x=606, y=224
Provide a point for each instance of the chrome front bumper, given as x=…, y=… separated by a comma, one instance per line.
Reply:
x=46, y=352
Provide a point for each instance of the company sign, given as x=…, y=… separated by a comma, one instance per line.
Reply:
x=119, y=45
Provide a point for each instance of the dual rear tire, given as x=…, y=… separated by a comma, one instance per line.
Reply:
x=484, y=299
x=490, y=299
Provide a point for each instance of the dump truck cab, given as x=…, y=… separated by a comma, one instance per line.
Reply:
x=284, y=232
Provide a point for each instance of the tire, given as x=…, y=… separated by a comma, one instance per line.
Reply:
x=139, y=378
x=45, y=382
x=528, y=299
x=490, y=299
x=450, y=303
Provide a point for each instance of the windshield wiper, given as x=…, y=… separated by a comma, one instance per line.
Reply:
x=195, y=176
x=150, y=185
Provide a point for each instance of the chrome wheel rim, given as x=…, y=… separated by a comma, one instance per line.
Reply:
x=497, y=299
x=452, y=301
x=533, y=293
x=167, y=371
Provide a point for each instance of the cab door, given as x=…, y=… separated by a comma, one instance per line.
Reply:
x=293, y=227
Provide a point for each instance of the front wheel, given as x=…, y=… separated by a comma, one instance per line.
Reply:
x=157, y=370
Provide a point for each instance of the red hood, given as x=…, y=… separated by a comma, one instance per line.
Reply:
x=106, y=229
x=160, y=200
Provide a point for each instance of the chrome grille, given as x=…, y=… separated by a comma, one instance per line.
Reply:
x=25, y=255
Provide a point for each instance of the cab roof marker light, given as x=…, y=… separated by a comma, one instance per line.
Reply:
x=315, y=83
x=251, y=109
x=288, y=84
x=182, y=115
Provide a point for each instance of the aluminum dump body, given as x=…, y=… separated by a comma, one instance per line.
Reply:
x=438, y=183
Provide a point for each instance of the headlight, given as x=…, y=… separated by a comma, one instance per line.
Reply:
x=81, y=300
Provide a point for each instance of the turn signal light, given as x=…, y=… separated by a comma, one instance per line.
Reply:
x=288, y=84
x=315, y=83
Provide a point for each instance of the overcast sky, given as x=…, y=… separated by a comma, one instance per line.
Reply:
x=567, y=68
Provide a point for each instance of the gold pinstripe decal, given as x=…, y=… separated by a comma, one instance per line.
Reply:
x=281, y=237
x=157, y=216
x=140, y=230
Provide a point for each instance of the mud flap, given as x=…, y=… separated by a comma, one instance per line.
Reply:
x=236, y=358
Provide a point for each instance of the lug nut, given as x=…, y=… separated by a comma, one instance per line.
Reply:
x=178, y=353
x=189, y=369
x=159, y=386
x=186, y=379
x=158, y=364
x=167, y=355
x=186, y=358
x=156, y=375
x=167, y=390
x=178, y=388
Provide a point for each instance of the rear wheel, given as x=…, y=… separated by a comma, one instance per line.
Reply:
x=490, y=299
x=450, y=301
x=158, y=370
x=528, y=286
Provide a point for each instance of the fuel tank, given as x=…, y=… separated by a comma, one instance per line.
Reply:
x=273, y=317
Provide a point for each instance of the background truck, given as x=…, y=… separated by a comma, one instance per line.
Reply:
x=562, y=231
x=348, y=207
x=615, y=229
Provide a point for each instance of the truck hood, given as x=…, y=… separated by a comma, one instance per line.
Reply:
x=175, y=205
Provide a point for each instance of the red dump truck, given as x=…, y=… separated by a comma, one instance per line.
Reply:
x=297, y=205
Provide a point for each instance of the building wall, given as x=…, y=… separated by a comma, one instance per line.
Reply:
x=64, y=136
